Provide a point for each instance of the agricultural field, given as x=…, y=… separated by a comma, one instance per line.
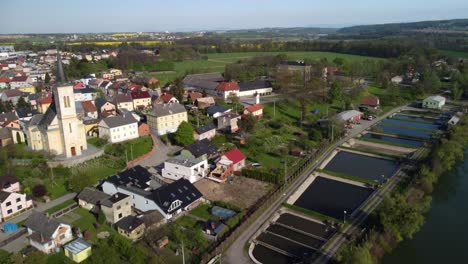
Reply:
x=457, y=54
x=217, y=61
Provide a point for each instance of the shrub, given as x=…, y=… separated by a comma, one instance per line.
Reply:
x=39, y=191
x=262, y=175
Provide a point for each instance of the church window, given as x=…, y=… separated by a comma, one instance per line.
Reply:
x=70, y=127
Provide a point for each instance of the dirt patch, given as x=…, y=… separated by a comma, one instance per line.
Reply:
x=384, y=149
x=243, y=192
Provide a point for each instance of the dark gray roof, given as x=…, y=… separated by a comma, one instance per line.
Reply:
x=35, y=119
x=8, y=116
x=99, y=102
x=181, y=190
x=104, y=84
x=84, y=90
x=49, y=116
x=7, y=180
x=167, y=109
x=60, y=78
x=40, y=223
x=216, y=109
x=129, y=223
x=24, y=112
x=4, y=196
x=258, y=84
x=92, y=196
x=34, y=96
x=201, y=148
x=205, y=128
x=137, y=177
x=5, y=133
x=116, y=197
x=121, y=120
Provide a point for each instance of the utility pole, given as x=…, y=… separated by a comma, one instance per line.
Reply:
x=274, y=108
x=183, y=254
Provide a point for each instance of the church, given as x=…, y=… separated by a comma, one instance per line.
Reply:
x=58, y=131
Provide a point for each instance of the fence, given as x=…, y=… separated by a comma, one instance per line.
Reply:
x=64, y=210
x=254, y=212
x=13, y=237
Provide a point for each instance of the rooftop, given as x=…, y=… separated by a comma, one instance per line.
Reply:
x=184, y=161
x=167, y=109
x=129, y=223
x=181, y=190
x=137, y=177
x=118, y=121
x=76, y=246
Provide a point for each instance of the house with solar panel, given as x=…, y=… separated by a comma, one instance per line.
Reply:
x=147, y=193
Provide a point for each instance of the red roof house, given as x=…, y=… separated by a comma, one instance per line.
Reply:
x=4, y=80
x=168, y=98
x=79, y=85
x=256, y=110
x=237, y=157
x=194, y=96
x=371, y=101
x=228, y=86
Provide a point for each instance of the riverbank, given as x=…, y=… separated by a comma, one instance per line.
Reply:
x=402, y=213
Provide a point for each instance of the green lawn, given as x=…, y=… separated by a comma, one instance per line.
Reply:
x=60, y=206
x=140, y=146
x=203, y=211
x=457, y=54
x=86, y=222
x=217, y=61
x=187, y=222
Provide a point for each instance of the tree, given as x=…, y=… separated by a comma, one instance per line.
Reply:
x=101, y=219
x=360, y=255
x=247, y=124
x=431, y=82
x=22, y=103
x=47, y=78
x=5, y=257
x=456, y=91
x=336, y=92
x=80, y=179
x=39, y=191
x=36, y=257
x=104, y=253
x=184, y=134
x=177, y=89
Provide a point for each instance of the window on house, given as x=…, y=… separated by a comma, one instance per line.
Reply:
x=10, y=211
x=120, y=215
x=18, y=200
x=20, y=207
x=70, y=127
x=8, y=204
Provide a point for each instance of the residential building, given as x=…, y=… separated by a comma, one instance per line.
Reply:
x=58, y=131
x=9, y=183
x=217, y=110
x=434, y=102
x=11, y=95
x=205, y=102
x=202, y=149
x=182, y=167
x=104, y=107
x=116, y=207
x=141, y=99
x=300, y=67
x=228, y=122
x=118, y=128
x=28, y=89
x=131, y=227
x=166, y=98
x=18, y=82
x=47, y=234
x=12, y=203
x=236, y=157
x=166, y=118
x=226, y=89
x=89, y=109
x=255, y=110
x=4, y=82
x=205, y=132
x=370, y=101
x=84, y=94
x=8, y=117
x=193, y=96
x=143, y=129
x=91, y=199
x=213, y=228
x=203, y=82
x=124, y=101
x=78, y=250
x=44, y=102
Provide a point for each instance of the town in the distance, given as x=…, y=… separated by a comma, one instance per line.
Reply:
x=300, y=145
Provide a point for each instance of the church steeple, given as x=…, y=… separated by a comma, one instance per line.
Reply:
x=60, y=78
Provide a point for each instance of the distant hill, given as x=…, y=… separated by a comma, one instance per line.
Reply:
x=453, y=26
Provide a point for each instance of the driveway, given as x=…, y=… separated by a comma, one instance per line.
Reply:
x=161, y=153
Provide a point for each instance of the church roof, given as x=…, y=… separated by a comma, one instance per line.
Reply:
x=48, y=116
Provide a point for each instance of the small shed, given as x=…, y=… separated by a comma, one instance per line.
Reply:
x=222, y=213
x=78, y=250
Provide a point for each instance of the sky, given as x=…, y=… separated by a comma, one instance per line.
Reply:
x=89, y=16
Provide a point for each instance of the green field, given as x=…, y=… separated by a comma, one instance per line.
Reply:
x=457, y=54
x=217, y=61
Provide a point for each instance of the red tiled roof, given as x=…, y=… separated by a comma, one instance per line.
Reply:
x=140, y=94
x=134, y=86
x=166, y=97
x=235, y=155
x=19, y=79
x=46, y=99
x=4, y=79
x=228, y=86
x=153, y=80
x=195, y=95
x=79, y=85
x=3, y=65
x=254, y=108
x=88, y=106
x=370, y=100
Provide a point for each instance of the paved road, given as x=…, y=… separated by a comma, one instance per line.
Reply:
x=160, y=155
x=236, y=252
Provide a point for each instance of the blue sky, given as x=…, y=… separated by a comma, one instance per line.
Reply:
x=65, y=16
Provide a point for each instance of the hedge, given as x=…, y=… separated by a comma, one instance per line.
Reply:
x=262, y=175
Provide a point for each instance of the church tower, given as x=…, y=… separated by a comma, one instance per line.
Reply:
x=72, y=129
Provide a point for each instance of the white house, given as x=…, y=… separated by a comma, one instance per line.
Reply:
x=182, y=167
x=47, y=234
x=84, y=94
x=118, y=128
x=12, y=203
x=206, y=131
x=434, y=102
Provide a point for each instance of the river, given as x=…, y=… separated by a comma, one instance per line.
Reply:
x=444, y=236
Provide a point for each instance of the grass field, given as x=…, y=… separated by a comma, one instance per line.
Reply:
x=458, y=54
x=217, y=61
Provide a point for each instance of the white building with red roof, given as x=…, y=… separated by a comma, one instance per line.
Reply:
x=255, y=110
x=236, y=157
x=225, y=89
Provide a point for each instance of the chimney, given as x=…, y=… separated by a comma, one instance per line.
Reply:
x=257, y=99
